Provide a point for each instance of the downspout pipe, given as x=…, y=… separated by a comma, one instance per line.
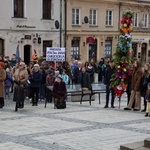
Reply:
x=65, y=21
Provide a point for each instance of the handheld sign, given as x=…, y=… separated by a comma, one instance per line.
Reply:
x=55, y=54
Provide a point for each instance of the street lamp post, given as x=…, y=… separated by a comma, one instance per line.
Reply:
x=60, y=22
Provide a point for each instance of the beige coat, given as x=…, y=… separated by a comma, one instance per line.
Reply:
x=135, y=93
x=2, y=84
x=21, y=75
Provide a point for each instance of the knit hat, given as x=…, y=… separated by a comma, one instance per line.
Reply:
x=36, y=65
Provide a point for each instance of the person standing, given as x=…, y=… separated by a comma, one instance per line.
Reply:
x=65, y=77
x=20, y=77
x=101, y=70
x=74, y=64
x=49, y=82
x=108, y=74
x=144, y=83
x=77, y=71
x=2, y=84
x=35, y=79
x=84, y=79
x=13, y=60
x=1, y=58
x=135, y=87
x=147, y=98
x=42, y=90
x=8, y=82
x=90, y=70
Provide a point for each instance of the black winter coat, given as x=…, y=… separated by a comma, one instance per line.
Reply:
x=35, y=79
x=91, y=72
x=108, y=73
x=144, y=84
x=84, y=80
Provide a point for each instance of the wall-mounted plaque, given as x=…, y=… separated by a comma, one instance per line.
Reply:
x=27, y=37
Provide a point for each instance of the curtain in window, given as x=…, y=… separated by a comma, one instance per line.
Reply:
x=18, y=8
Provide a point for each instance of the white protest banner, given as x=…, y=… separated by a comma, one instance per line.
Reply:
x=55, y=54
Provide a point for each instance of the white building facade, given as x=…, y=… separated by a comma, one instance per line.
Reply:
x=29, y=24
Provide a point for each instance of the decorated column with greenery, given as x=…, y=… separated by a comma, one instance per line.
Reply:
x=121, y=56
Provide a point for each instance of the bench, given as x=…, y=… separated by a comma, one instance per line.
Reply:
x=96, y=88
x=73, y=90
x=76, y=90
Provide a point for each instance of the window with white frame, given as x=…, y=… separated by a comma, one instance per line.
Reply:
x=109, y=18
x=75, y=48
x=135, y=20
x=144, y=22
x=75, y=16
x=93, y=17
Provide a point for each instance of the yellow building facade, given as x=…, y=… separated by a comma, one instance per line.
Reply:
x=92, y=28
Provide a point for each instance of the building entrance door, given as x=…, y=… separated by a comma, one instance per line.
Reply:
x=27, y=54
x=93, y=50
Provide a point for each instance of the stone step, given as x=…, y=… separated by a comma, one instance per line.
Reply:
x=132, y=146
x=142, y=148
x=147, y=143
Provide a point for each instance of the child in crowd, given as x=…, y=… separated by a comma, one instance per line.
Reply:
x=65, y=77
x=148, y=101
x=8, y=82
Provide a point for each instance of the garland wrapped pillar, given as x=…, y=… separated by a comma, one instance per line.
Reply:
x=122, y=57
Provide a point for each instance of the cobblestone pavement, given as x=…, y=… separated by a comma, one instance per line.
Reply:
x=77, y=127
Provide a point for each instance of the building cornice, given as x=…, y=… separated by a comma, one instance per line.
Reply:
x=98, y=1
x=134, y=2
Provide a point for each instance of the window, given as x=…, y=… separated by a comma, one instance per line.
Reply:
x=108, y=48
x=75, y=48
x=18, y=8
x=47, y=9
x=93, y=17
x=135, y=20
x=144, y=22
x=75, y=16
x=109, y=18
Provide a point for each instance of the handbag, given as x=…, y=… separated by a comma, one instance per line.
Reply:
x=27, y=84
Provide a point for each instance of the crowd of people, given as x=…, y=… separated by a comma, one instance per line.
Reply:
x=35, y=77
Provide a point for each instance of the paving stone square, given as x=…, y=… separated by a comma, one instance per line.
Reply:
x=78, y=127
